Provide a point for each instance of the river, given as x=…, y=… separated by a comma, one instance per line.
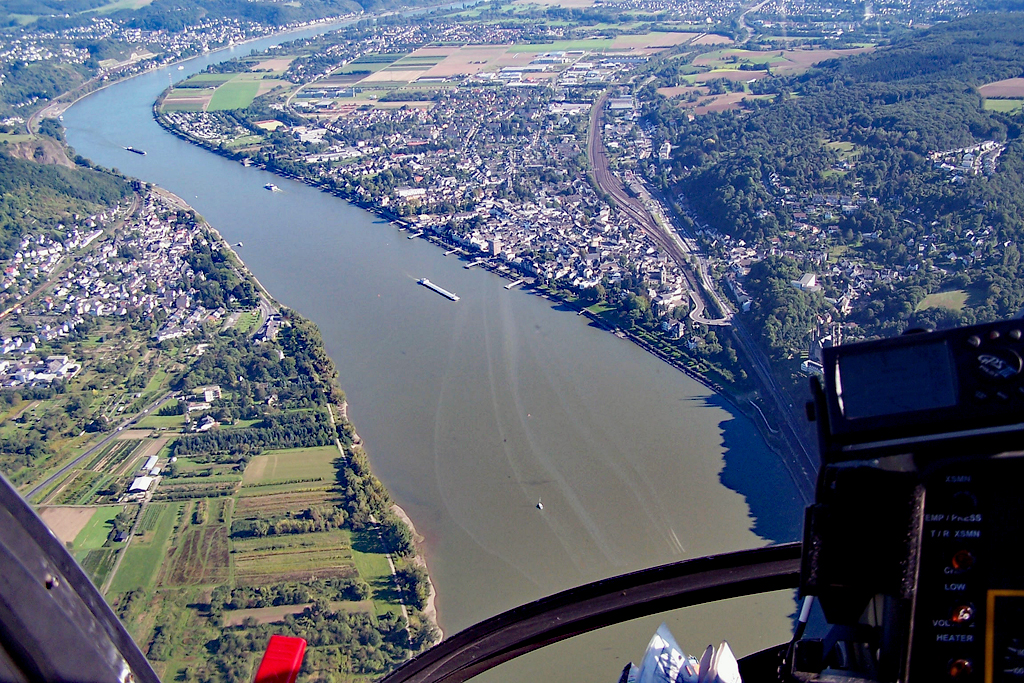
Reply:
x=472, y=411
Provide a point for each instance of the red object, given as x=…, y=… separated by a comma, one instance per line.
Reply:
x=282, y=660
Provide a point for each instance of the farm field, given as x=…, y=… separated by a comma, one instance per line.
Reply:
x=306, y=464
x=217, y=92
x=781, y=62
x=1007, y=106
x=447, y=61
x=292, y=561
x=143, y=557
x=94, y=534
x=1011, y=87
x=66, y=522
x=202, y=557
x=275, y=64
x=233, y=95
x=281, y=503
x=700, y=102
x=651, y=41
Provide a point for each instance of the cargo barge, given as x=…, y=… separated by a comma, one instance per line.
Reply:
x=440, y=290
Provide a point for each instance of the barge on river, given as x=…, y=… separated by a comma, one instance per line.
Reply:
x=440, y=290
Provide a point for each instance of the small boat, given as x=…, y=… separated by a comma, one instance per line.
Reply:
x=540, y=505
x=136, y=151
x=239, y=245
x=272, y=187
x=181, y=68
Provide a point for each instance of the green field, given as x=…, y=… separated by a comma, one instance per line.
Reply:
x=162, y=421
x=94, y=534
x=953, y=300
x=1005, y=106
x=180, y=106
x=143, y=559
x=297, y=463
x=98, y=563
x=247, y=321
x=245, y=141
x=14, y=137
x=234, y=95
x=372, y=565
x=845, y=149
x=159, y=377
x=213, y=79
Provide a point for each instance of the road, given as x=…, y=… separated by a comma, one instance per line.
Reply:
x=128, y=541
x=685, y=252
x=743, y=19
x=152, y=407
x=803, y=465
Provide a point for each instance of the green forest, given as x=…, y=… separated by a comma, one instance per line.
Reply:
x=863, y=127
x=37, y=198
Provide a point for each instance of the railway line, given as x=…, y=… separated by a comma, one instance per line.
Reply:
x=801, y=463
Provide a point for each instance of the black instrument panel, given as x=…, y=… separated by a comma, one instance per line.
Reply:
x=954, y=383
x=969, y=602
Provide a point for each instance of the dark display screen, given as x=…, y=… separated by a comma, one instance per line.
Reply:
x=898, y=380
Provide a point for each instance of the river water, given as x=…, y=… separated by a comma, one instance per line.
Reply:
x=473, y=411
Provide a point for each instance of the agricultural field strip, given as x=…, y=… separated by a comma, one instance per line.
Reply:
x=143, y=559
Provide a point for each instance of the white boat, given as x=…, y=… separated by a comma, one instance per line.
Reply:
x=272, y=187
x=540, y=505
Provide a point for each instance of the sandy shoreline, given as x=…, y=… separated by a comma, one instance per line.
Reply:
x=430, y=609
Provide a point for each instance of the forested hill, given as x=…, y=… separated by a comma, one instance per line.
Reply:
x=176, y=15
x=36, y=197
x=917, y=96
x=862, y=129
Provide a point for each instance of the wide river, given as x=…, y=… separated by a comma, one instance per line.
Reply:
x=472, y=411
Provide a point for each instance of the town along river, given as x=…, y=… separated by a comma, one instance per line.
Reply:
x=472, y=411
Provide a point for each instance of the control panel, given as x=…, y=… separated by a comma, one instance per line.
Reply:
x=960, y=383
x=968, y=622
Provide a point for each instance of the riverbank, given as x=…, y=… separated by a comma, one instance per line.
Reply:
x=740, y=402
x=430, y=608
x=429, y=611
x=58, y=105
